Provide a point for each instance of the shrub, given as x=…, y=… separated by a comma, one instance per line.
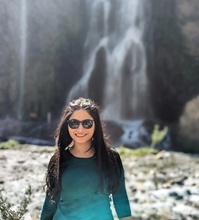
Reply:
x=140, y=152
x=10, y=144
x=7, y=212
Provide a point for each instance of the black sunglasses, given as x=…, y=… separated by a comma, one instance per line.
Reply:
x=74, y=123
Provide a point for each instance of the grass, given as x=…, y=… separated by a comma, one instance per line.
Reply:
x=10, y=144
x=123, y=151
x=140, y=152
x=157, y=136
x=15, y=145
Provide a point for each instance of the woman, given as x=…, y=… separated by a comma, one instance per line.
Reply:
x=85, y=174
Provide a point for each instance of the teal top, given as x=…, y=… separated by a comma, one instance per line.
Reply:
x=79, y=199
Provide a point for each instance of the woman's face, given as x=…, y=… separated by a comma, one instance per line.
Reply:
x=81, y=135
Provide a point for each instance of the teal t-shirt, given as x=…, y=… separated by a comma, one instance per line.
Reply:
x=79, y=199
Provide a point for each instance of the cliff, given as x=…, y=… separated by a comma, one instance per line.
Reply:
x=188, y=15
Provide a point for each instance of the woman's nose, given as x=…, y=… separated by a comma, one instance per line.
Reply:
x=80, y=128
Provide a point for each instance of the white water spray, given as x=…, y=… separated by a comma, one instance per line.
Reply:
x=23, y=45
x=125, y=89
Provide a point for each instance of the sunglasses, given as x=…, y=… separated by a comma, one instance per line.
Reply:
x=74, y=123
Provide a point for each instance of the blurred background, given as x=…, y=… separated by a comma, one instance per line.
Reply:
x=137, y=59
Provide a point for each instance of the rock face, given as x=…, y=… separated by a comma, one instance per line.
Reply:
x=172, y=57
x=189, y=119
x=188, y=13
x=52, y=53
x=54, y=56
x=165, y=186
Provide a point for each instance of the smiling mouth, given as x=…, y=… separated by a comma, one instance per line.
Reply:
x=80, y=135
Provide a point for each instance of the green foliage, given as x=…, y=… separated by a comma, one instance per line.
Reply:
x=7, y=212
x=158, y=135
x=140, y=152
x=10, y=144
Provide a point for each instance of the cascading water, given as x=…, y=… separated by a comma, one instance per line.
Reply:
x=115, y=56
x=23, y=44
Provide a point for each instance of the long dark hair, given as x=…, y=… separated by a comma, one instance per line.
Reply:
x=108, y=160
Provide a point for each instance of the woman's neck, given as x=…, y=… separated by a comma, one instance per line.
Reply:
x=82, y=150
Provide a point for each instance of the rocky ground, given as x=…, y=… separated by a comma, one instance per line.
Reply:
x=163, y=186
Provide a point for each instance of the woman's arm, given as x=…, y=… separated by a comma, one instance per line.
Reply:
x=49, y=209
x=120, y=199
x=121, y=203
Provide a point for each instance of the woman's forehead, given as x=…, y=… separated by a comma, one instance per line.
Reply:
x=80, y=115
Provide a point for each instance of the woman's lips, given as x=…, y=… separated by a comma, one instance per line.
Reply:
x=80, y=135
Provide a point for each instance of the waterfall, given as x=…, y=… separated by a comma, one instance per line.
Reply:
x=23, y=44
x=114, y=71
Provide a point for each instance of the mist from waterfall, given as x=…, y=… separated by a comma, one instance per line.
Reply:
x=22, y=59
x=118, y=28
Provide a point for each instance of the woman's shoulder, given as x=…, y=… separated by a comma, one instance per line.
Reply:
x=115, y=158
x=114, y=154
x=114, y=151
